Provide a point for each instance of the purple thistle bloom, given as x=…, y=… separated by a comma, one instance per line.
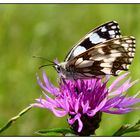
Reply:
x=85, y=100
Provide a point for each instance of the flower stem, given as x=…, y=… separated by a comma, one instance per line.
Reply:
x=13, y=119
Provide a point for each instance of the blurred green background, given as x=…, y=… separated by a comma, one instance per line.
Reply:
x=50, y=30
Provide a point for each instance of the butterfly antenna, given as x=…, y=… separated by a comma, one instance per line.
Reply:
x=52, y=63
x=45, y=66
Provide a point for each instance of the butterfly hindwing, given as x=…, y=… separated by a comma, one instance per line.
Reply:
x=101, y=34
x=108, y=58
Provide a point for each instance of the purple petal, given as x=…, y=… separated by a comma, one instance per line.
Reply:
x=113, y=102
x=136, y=94
x=80, y=125
x=45, y=103
x=47, y=88
x=49, y=99
x=91, y=113
x=119, y=111
x=50, y=86
x=114, y=84
x=63, y=104
x=77, y=105
x=98, y=108
x=42, y=86
x=77, y=117
x=37, y=105
x=85, y=107
x=124, y=87
x=72, y=120
x=128, y=102
x=59, y=113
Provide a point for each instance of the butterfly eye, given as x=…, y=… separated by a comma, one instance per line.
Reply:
x=58, y=68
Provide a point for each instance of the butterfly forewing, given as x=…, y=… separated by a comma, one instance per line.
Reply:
x=108, y=58
x=101, y=34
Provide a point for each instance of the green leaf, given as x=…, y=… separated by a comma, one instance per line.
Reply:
x=127, y=129
x=55, y=132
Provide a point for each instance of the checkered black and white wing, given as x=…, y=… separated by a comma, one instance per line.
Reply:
x=108, y=58
x=98, y=35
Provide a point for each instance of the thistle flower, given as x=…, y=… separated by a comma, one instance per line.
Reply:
x=85, y=100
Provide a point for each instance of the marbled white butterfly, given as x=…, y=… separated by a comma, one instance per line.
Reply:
x=103, y=51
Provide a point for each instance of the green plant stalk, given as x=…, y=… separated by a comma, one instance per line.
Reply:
x=13, y=119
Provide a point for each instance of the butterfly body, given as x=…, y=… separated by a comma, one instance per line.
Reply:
x=103, y=51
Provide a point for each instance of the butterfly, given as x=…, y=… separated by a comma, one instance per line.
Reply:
x=102, y=51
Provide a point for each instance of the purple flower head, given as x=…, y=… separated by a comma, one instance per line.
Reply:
x=85, y=100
